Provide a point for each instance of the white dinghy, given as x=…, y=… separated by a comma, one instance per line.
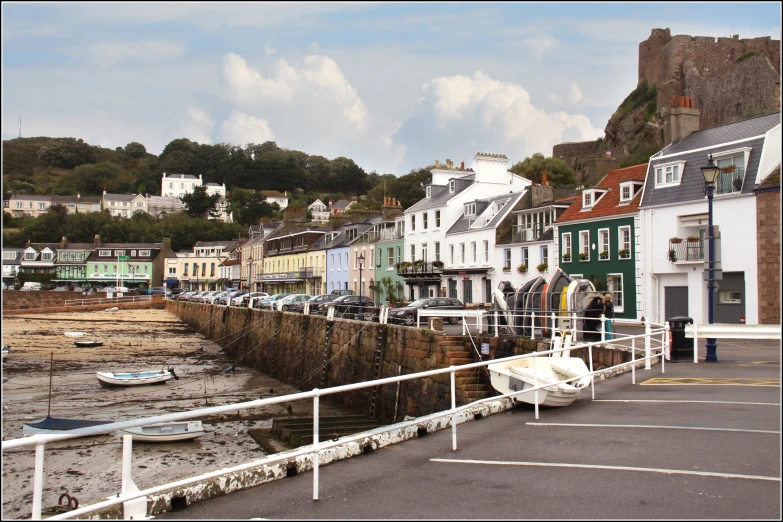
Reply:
x=521, y=374
x=165, y=432
x=110, y=379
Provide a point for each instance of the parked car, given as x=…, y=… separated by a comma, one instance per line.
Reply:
x=217, y=296
x=195, y=297
x=160, y=290
x=182, y=296
x=49, y=286
x=288, y=302
x=119, y=289
x=30, y=286
x=268, y=303
x=226, y=298
x=352, y=306
x=243, y=300
x=342, y=292
x=58, y=289
x=5, y=287
x=206, y=296
x=407, y=314
x=317, y=304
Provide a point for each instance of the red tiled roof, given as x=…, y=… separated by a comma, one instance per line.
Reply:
x=609, y=204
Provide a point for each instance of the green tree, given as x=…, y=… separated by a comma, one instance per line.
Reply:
x=409, y=189
x=92, y=179
x=558, y=173
x=135, y=149
x=200, y=204
x=66, y=153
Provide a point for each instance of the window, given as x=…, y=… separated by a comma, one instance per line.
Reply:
x=451, y=254
x=525, y=257
x=437, y=251
x=119, y=253
x=566, y=250
x=139, y=204
x=30, y=256
x=545, y=254
x=625, y=242
x=452, y=185
x=391, y=258
x=507, y=259
x=473, y=249
x=462, y=249
x=46, y=256
x=603, y=244
x=144, y=253
x=171, y=185
x=172, y=270
x=587, y=199
x=424, y=221
x=470, y=209
x=339, y=262
x=413, y=222
x=41, y=206
x=185, y=273
x=380, y=256
x=413, y=252
x=203, y=269
x=9, y=255
x=584, y=245
x=730, y=297
x=614, y=283
x=486, y=251
x=212, y=270
x=668, y=174
x=424, y=252
x=437, y=219
x=429, y=192
x=104, y=253
x=399, y=254
x=332, y=263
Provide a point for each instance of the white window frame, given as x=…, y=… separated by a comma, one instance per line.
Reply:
x=462, y=253
x=584, y=247
x=475, y=251
x=725, y=297
x=618, y=296
x=424, y=252
x=452, y=186
x=413, y=222
x=566, y=249
x=604, y=240
x=451, y=254
x=104, y=253
x=486, y=251
x=621, y=240
x=525, y=253
x=545, y=254
x=587, y=199
x=437, y=219
x=413, y=253
x=470, y=209
x=424, y=220
x=623, y=188
x=144, y=253
x=437, y=251
x=391, y=259
x=429, y=191
x=660, y=174
x=507, y=259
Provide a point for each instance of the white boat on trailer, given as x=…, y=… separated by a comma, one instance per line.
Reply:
x=550, y=372
x=111, y=379
x=165, y=432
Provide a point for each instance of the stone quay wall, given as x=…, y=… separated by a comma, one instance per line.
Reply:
x=768, y=238
x=17, y=302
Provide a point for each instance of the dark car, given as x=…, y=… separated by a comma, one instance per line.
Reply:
x=407, y=314
x=342, y=292
x=354, y=307
x=317, y=304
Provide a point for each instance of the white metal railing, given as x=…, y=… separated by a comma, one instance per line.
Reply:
x=109, y=300
x=478, y=315
x=130, y=492
x=730, y=331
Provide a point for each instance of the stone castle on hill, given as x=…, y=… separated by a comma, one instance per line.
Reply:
x=726, y=79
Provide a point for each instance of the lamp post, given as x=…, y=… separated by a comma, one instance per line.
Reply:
x=250, y=271
x=710, y=172
x=360, y=259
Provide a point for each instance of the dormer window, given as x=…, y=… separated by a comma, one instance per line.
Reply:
x=470, y=209
x=452, y=186
x=668, y=174
x=587, y=199
x=591, y=197
x=628, y=190
x=429, y=191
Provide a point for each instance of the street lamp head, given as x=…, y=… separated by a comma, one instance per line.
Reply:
x=710, y=172
x=361, y=259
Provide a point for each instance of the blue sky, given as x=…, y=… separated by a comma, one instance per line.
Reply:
x=393, y=86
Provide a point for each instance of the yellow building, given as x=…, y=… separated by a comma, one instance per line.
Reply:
x=198, y=270
x=290, y=264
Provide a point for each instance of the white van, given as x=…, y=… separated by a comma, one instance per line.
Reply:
x=28, y=286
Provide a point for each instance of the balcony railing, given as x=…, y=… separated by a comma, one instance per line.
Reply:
x=302, y=273
x=686, y=251
x=386, y=234
x=523, y=233
x=419, y=270
x=729, y=182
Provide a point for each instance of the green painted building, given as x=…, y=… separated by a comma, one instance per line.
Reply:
x=597, y=237
x=389, y=246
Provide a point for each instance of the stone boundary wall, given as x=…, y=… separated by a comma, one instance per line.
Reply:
x=768, y=238
x=15, y=301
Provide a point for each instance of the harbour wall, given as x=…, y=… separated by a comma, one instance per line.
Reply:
x=16, y=302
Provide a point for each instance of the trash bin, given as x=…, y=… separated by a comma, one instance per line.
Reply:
x=681, y=346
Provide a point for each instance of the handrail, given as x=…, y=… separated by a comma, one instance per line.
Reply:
x=109, y=300
x=40, y=440
x=730, y=331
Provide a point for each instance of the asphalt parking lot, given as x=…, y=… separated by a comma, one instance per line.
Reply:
x=700, y=441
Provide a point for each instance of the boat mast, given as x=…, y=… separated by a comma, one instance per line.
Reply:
x=51, y=368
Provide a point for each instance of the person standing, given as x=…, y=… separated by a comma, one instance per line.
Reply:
x=609, y=314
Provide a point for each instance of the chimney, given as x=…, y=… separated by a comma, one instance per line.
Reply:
x=608, y=154
x=63, y=241
x=543, y=179
x=97, y=241
x=27, y=244
x=437, y=163
x=462, y=165
x=680, y=120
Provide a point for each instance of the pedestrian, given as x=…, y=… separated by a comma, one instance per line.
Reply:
x=609, y=314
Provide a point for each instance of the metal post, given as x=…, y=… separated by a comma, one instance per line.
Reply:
x=553, y=327
x=127, y=455
x=647, y=333
x=633, y=360
x=532, y=326
x=574, y=331
x=38, y=481
x=695, y=344
x=535, y=383
x=712, y=345
x=316, y=452
x=603, y=329
x=592, y=377
x=496, y=323
x=453, y=407
x=664, y=345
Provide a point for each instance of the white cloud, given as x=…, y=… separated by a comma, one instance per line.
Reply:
x=269, y=50
x=574, y=93
x=241, y=128
x=198, y=125
x=150, y=51
x=555, y=98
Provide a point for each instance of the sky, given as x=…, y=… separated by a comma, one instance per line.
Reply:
x=394, y=86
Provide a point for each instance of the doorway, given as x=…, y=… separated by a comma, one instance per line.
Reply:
x=676, y=301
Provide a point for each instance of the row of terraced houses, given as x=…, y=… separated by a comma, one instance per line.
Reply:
x=642, y=230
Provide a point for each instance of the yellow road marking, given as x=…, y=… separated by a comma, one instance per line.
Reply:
x=695, y=381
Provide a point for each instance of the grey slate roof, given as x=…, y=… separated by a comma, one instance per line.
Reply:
x=462, y=224
x=440, y=194
x=181, y=176
x=16, y=260
x=340, y=204
x=691, y=187
x=120, y=197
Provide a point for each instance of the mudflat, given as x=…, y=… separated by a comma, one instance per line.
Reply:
x=90, y=468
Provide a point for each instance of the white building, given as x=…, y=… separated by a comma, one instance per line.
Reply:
x=452, y=196
x=674, y=219
x=124, y=205
x=178, y=185
x=273, y=196
x=319, y=211
x=214, y=188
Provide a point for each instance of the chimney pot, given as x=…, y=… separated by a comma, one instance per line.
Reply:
x=462, y=165
x=609, y=154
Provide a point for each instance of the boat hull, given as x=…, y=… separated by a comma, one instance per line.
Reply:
x=109, y=379
x=166, y=432
x=519, y=375
x=52, y=425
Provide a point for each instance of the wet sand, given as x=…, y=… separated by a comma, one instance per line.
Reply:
x=90, y=468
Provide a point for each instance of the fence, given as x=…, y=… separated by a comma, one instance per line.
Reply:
x=653, y=334
x=730, y=331
x=110, y=300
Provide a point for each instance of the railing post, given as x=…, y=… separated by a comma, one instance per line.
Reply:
x=665, y=348
x=497, y=326
x=464, y=324
x=647, y=334
x=603, y=329
x=695, y=343
x=453, y=407
x=553, y=327
x=592, y=376
x=316, y=452
x=535, y=383
x=574, y=331
x=306, y=309
x=38, y=481
x=127, y=455
x=532, y=326
x=633, y=360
